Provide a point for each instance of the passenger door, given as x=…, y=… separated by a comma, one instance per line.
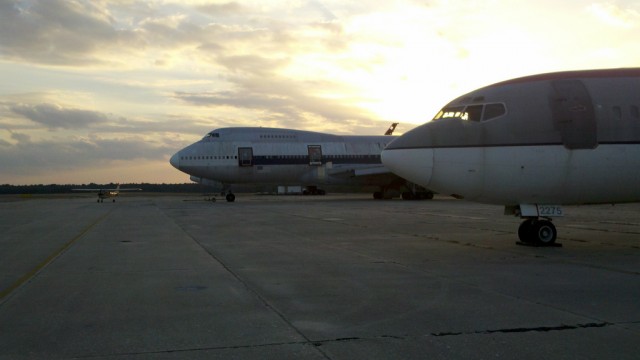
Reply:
x=245, y=156
x=315, y=154
x=574, y=115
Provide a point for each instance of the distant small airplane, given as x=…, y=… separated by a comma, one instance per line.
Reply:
x=532, y=144
x=108, y=193
x=287, y=157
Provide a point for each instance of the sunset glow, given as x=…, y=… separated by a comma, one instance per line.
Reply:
x=107, y=91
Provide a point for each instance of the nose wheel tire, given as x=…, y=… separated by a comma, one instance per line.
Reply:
x=537, y=232
x=230, y=197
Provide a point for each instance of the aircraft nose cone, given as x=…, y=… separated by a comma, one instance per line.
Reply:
x=411, y=156
x=415, y=165
x=175, y=160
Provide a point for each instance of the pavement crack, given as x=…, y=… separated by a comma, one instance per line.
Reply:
x=193, y=350
x=253, y=291
x=525, y=329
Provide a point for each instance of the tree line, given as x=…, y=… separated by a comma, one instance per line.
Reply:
x=68, y=188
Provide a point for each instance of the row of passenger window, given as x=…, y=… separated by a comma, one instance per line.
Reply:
x=476, y=112
x=327, y=157
x=207, y=157
x=276, y=136
x=269, y=136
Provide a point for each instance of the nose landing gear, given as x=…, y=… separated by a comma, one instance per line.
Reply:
x=538, y=232
x=537, y=228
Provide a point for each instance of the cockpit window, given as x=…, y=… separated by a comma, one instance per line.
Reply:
x=493, y=111
x=473, y=113
x=476, y=112
x=212, y=135
x=450, y=112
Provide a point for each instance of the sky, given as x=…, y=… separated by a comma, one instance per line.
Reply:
x=101, y=91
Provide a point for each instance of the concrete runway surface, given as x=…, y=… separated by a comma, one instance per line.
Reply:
x=292, y=277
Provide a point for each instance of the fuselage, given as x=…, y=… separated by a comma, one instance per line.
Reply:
x=254, y=155
x=559, y=138
x=108, y=194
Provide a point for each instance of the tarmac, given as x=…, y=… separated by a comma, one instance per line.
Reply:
x=326, y=277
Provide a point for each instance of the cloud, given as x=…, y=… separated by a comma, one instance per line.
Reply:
x=40, y=157
x=19, y=115
x=226, y=9
x=57, y=32
x=284, y=103
x=125, y=35
x=56, y=117
x=20, y=138
x=106, y=75
x=232, y=98
x=614, y=15
x=252, y=64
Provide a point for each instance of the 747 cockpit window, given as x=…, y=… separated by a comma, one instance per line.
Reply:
x=476, y=112
x=212, y=135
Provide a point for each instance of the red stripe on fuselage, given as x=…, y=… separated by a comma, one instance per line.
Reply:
x=577, y=74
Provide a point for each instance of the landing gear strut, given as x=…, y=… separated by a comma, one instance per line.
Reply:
x=539, y=232
x=226, y=192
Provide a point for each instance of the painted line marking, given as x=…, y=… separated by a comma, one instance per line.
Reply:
x=29, y=275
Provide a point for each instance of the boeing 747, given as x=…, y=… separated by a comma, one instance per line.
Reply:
x=255, y=155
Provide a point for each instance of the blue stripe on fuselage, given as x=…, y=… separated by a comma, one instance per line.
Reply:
x=304, y=159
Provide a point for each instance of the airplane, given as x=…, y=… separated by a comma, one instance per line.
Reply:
x=532, y=144
x=288, y=157
x=108, y=193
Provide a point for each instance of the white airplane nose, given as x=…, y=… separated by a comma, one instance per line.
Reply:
x=175, y=160
x=415, y=165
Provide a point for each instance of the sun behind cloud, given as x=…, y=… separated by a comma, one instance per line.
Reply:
x=89, y=86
